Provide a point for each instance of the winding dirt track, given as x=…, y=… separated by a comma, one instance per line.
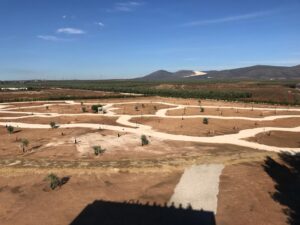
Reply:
x=235, y=139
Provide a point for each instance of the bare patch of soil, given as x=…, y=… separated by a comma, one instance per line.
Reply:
x=98, y=119
x=278, y=139
x=195, y=126
x=11, y=115
x=244, y=197
x=69, y=109
x=25, y=196
x=10, y=144
x=139, y=108
x=26, y=104
x=229, y=112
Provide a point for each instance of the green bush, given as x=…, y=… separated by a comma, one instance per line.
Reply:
x=24, y=144
x=54, y=180
x=53, y=125
x=205, y=120
x=10, y=129
x=95, y=108
x=98, y=150
x=144, y=140
x=201, y=109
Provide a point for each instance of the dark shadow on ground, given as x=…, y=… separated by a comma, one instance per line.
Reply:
x=64, y=180
x=115, y=213
x=286, y=174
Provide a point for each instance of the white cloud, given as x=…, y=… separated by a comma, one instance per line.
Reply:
x=68, y=17
x=229, y=19
x=100, y=24
x=53, y=38
x=125, y=6
x=69, y=30
x=48, y=38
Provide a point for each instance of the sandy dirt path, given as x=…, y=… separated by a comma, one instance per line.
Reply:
x=198, y=187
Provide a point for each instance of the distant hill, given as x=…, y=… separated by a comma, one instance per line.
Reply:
x=258, y=72
x=253, y=72
x=166, y=75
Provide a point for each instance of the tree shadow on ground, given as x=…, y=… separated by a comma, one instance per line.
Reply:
x=286, y=175
x=115, y=213
x=64, y=180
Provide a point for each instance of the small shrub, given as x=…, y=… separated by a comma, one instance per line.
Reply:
x=144, y=140
x=201, y=109
x=84, y=109
x=24, y=144
x=205, y=120
x=54, y=180
x=53, y=125
x=10, y=129
x=136, y=108
x=98, y=150
x=47, y=107
x=95, y=108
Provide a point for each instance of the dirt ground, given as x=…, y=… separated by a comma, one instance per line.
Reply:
x=12, y=114
x=278, y=138
x=244, y=197
x=25, y=104
x=27, y=200
x=128, y=171
x=98, y=119
x=10, y=145
x=50, y=144
x=139, y=108
x=70, y=109
x=229, y=112
x=195, y=126
x=244, y=193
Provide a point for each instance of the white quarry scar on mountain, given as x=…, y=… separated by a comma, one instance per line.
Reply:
x=196, y=73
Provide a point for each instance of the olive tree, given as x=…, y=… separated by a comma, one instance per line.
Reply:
x=54, y=180
x=53, y=125
x=98, y=150
x=144, y=140
x=10, y=129
x=24, y=144
x=205, y=120
x=95, y=108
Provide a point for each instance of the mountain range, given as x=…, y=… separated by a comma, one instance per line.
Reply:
x=253, y=72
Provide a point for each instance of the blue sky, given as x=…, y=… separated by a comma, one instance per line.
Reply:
x=101, y=39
